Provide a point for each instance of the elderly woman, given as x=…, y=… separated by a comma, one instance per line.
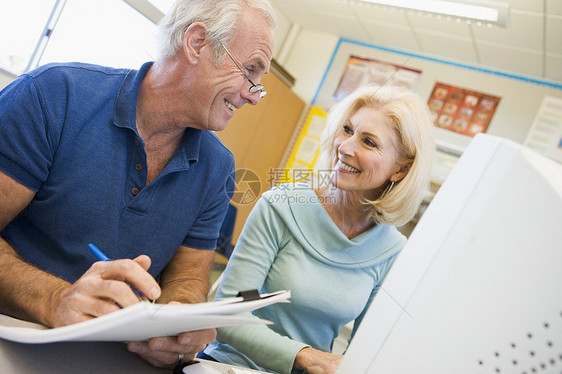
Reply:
x=330, y=245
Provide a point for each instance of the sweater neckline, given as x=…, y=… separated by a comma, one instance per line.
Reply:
x=323, y=237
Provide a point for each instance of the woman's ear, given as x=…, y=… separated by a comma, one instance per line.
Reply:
x=402, y=172
x=194, y=39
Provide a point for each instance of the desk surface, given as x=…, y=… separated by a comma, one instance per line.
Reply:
x=75, y=357
x=80, y=358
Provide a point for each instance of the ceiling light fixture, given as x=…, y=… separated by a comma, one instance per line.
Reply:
x=487, y=12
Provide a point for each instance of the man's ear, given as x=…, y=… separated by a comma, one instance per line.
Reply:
x=194, y=39
x=401, y=173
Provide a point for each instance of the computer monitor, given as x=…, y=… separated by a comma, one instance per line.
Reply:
x=478, y=286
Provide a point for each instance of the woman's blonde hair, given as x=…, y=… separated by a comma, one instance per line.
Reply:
x=411, y=121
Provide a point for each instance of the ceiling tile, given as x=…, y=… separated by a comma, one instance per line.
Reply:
x=329, y=5
x=343, y=25
x=516, y=61
x=525, y=30
x=528, y=5
x=439, y=24
x=450, y=48
x=554, y=67
x=554, y=7
x=553, y=37
x=299, y=14
x=392, y=36
x=287, y=2
x=291, y=10
x=379, y=13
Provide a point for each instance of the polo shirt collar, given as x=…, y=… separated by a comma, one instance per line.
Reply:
x=188, y=151
x=125, y=109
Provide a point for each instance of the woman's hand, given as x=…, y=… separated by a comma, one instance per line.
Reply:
x=314, y=361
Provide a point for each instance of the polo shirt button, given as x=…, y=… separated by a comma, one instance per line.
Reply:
x=138, y=167
x=135, y=191
x=137, y=143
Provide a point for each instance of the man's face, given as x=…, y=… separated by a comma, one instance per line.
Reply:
x=227, y=88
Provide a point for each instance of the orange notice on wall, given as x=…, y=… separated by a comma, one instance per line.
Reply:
x=462, y=111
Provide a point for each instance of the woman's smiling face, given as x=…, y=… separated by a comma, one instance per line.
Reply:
x=366, y=155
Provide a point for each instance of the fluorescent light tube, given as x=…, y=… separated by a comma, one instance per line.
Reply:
x=491, y=12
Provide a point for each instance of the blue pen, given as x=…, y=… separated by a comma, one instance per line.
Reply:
x=102, y=257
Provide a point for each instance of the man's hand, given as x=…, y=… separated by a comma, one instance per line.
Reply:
x=184, y=280
x=166, y=351
x=102, y=290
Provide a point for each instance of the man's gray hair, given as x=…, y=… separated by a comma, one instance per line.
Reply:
x=220, y=16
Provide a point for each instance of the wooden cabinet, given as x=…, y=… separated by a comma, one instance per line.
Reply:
x=258, y=136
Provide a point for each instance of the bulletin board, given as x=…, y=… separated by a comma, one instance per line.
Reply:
x=466, y=112
x=361, y=71
x=307, y=148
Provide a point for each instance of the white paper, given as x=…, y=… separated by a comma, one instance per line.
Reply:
x=143, y=321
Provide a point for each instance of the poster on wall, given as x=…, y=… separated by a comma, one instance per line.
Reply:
x=545, y=134
x=307, y=147
x=460, y=110
x=362, y=71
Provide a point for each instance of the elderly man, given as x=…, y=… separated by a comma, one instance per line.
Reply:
x=126, y=159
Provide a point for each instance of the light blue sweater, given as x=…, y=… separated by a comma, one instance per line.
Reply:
x=290, y=242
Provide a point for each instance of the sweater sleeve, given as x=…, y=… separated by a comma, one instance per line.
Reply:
x=263, y=235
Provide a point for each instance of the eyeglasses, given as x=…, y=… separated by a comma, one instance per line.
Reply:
x=254, y=87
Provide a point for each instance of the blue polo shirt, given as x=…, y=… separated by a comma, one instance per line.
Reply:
x=68, y=132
